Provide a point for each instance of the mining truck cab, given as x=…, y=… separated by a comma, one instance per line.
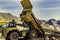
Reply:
x=13, y=31
x=11, y=24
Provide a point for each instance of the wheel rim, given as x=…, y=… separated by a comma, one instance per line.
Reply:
x=14, y=36
x=33, y=34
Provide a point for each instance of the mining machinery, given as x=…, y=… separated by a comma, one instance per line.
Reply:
x=30, y=28
x=28, y=17
x=34, y=24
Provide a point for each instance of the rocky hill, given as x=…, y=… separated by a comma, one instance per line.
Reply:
x=8, y=16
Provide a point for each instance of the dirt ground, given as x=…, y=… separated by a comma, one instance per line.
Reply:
x=29, y=39
x=2, y=39
x=35, y=39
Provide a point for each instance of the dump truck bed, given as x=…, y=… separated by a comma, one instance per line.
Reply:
x=29, y=18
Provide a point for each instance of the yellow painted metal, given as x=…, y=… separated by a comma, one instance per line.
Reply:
x=26, y=4
x=23, y=33
x=28, y=16
x=7, y=30
x=3, y=22
x=33, y=34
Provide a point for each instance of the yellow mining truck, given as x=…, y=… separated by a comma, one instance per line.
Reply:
x=35, y=27
x=3, y=22
x=12, y=30
x=29, y=18
x=30, y=28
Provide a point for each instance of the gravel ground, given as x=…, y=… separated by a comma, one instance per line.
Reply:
x=2, y=39
x=29, y=39
x=35, y=39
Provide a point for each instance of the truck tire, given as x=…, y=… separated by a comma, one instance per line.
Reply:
x=14, y=35
x=32, y=34
x=52, y=38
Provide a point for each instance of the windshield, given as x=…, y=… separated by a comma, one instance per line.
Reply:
x=10, y=24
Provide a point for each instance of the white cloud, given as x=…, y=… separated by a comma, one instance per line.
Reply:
x=7, y=5
x=36, y=0
x=47, y=13
x=16, y=3
x=52, y=8
x=33, y=0
x=13, y=1
x=38, y=12
x=15, y=12
x=10, y=0
x=50, y=0
x=55, y=0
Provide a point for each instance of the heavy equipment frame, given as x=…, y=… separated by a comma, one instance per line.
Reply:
x=33, y=23
x=12, y=30
x=29, y=18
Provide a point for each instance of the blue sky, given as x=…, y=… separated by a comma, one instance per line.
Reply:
x=43, y=9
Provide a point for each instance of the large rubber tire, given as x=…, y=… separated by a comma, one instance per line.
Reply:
x=14, y=35
x=32, y=34
x=51, y=38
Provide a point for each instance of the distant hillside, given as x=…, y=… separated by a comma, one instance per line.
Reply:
x=8, y=16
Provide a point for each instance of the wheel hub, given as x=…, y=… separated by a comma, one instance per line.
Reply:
x=33, y=34
x=14, y=36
